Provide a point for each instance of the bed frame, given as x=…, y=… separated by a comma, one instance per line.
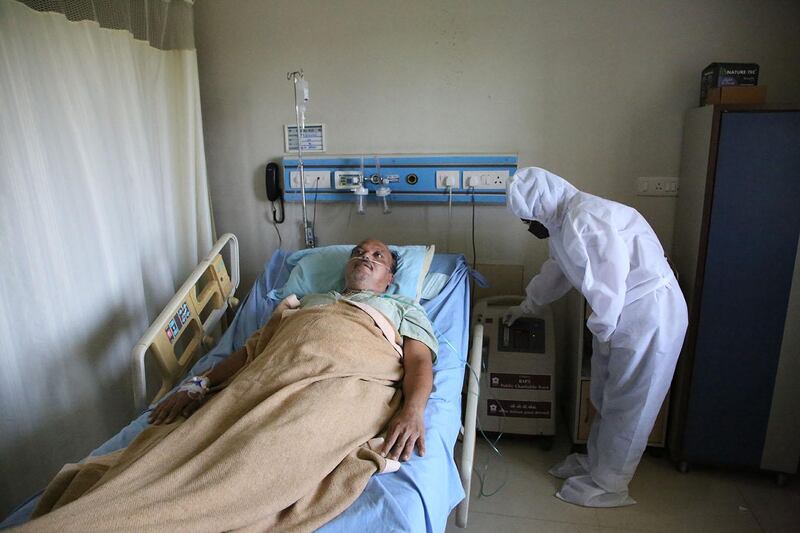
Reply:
x=190, y=324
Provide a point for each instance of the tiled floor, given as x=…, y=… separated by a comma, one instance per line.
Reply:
x=706, y=500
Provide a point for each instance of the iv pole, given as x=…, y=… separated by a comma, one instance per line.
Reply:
x=295, y=77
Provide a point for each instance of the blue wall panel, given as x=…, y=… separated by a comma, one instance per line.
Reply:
x=424, y=167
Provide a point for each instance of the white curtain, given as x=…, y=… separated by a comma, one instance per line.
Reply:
x=103, y=212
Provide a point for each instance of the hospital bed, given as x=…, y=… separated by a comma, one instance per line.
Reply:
x=418, y=497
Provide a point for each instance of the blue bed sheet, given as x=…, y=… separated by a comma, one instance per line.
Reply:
x=418, y=497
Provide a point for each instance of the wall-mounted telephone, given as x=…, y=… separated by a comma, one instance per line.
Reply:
x=274, y=192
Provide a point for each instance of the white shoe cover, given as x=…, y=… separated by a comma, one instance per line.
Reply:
x=582, y=490
x=576, y=464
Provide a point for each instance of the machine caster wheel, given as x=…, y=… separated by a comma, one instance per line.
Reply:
x=782, y=479
x=683, y=467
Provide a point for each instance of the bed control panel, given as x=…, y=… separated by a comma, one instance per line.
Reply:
x=177, y=322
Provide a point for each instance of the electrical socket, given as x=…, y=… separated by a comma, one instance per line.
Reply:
x=485, y=179
x=657, y=186
x=448, y=178
x=311, y=179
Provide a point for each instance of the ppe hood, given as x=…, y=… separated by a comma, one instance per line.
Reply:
x=536, y=194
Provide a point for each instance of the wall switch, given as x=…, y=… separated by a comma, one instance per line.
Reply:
x=485, y=179
x=324, y=177
x=448, y=178
x=657, y=186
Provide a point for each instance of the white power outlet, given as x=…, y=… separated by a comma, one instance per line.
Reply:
x=312, y=176
x=448, y=178
x=485, y=179
x=657, y=186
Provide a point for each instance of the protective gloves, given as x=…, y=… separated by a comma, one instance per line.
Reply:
x=527, y=307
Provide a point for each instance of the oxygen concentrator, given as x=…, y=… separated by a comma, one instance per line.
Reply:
x=517, y=387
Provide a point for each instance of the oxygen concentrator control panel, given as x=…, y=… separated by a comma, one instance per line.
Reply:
x=525, y=335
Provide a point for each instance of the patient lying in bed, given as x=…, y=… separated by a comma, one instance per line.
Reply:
x=288, y=442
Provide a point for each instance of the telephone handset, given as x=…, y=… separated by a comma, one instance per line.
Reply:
x=274, y=192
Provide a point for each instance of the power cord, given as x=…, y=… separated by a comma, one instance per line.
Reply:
x=474, y=252
x=280, y=239
x=314, y=215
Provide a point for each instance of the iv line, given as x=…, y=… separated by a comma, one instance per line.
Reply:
x=308, y=231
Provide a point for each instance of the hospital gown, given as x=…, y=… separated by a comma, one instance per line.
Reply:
x=406, y=316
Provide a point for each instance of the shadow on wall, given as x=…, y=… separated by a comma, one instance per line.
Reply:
x=259, y=187
x=70, y=430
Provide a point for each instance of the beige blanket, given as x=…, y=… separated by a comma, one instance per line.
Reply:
x=279, y=449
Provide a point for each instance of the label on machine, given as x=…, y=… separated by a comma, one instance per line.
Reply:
x=518, y=408
x=519, y=381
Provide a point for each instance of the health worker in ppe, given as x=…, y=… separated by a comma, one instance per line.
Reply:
x=609, y=253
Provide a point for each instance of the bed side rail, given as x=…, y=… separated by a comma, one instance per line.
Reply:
x=184, y=329
x=470, y=414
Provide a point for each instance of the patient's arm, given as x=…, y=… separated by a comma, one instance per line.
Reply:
x=407, y=428
x=180, y=403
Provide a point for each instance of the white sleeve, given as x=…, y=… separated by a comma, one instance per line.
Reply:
x=548, y=285
x=596, y=244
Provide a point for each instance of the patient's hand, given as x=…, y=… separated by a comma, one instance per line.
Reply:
x=177, y=404
x=405, y=430
x=290, y=302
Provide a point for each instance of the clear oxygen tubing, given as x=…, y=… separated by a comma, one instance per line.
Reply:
x=482, y=473
x=368, y=260
x=299, y=108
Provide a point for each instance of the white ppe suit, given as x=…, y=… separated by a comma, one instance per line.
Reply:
x=609, y=253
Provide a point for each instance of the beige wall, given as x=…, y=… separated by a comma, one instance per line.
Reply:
x=592, y=90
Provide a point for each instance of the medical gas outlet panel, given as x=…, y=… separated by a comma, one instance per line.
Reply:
x=456, y=179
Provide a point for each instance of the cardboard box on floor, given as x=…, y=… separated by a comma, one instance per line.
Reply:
x=503, y=280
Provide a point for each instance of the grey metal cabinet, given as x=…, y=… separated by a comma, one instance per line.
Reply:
x=736, y=395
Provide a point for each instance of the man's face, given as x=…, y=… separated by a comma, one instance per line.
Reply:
x=537, y=229
x=369, y=267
